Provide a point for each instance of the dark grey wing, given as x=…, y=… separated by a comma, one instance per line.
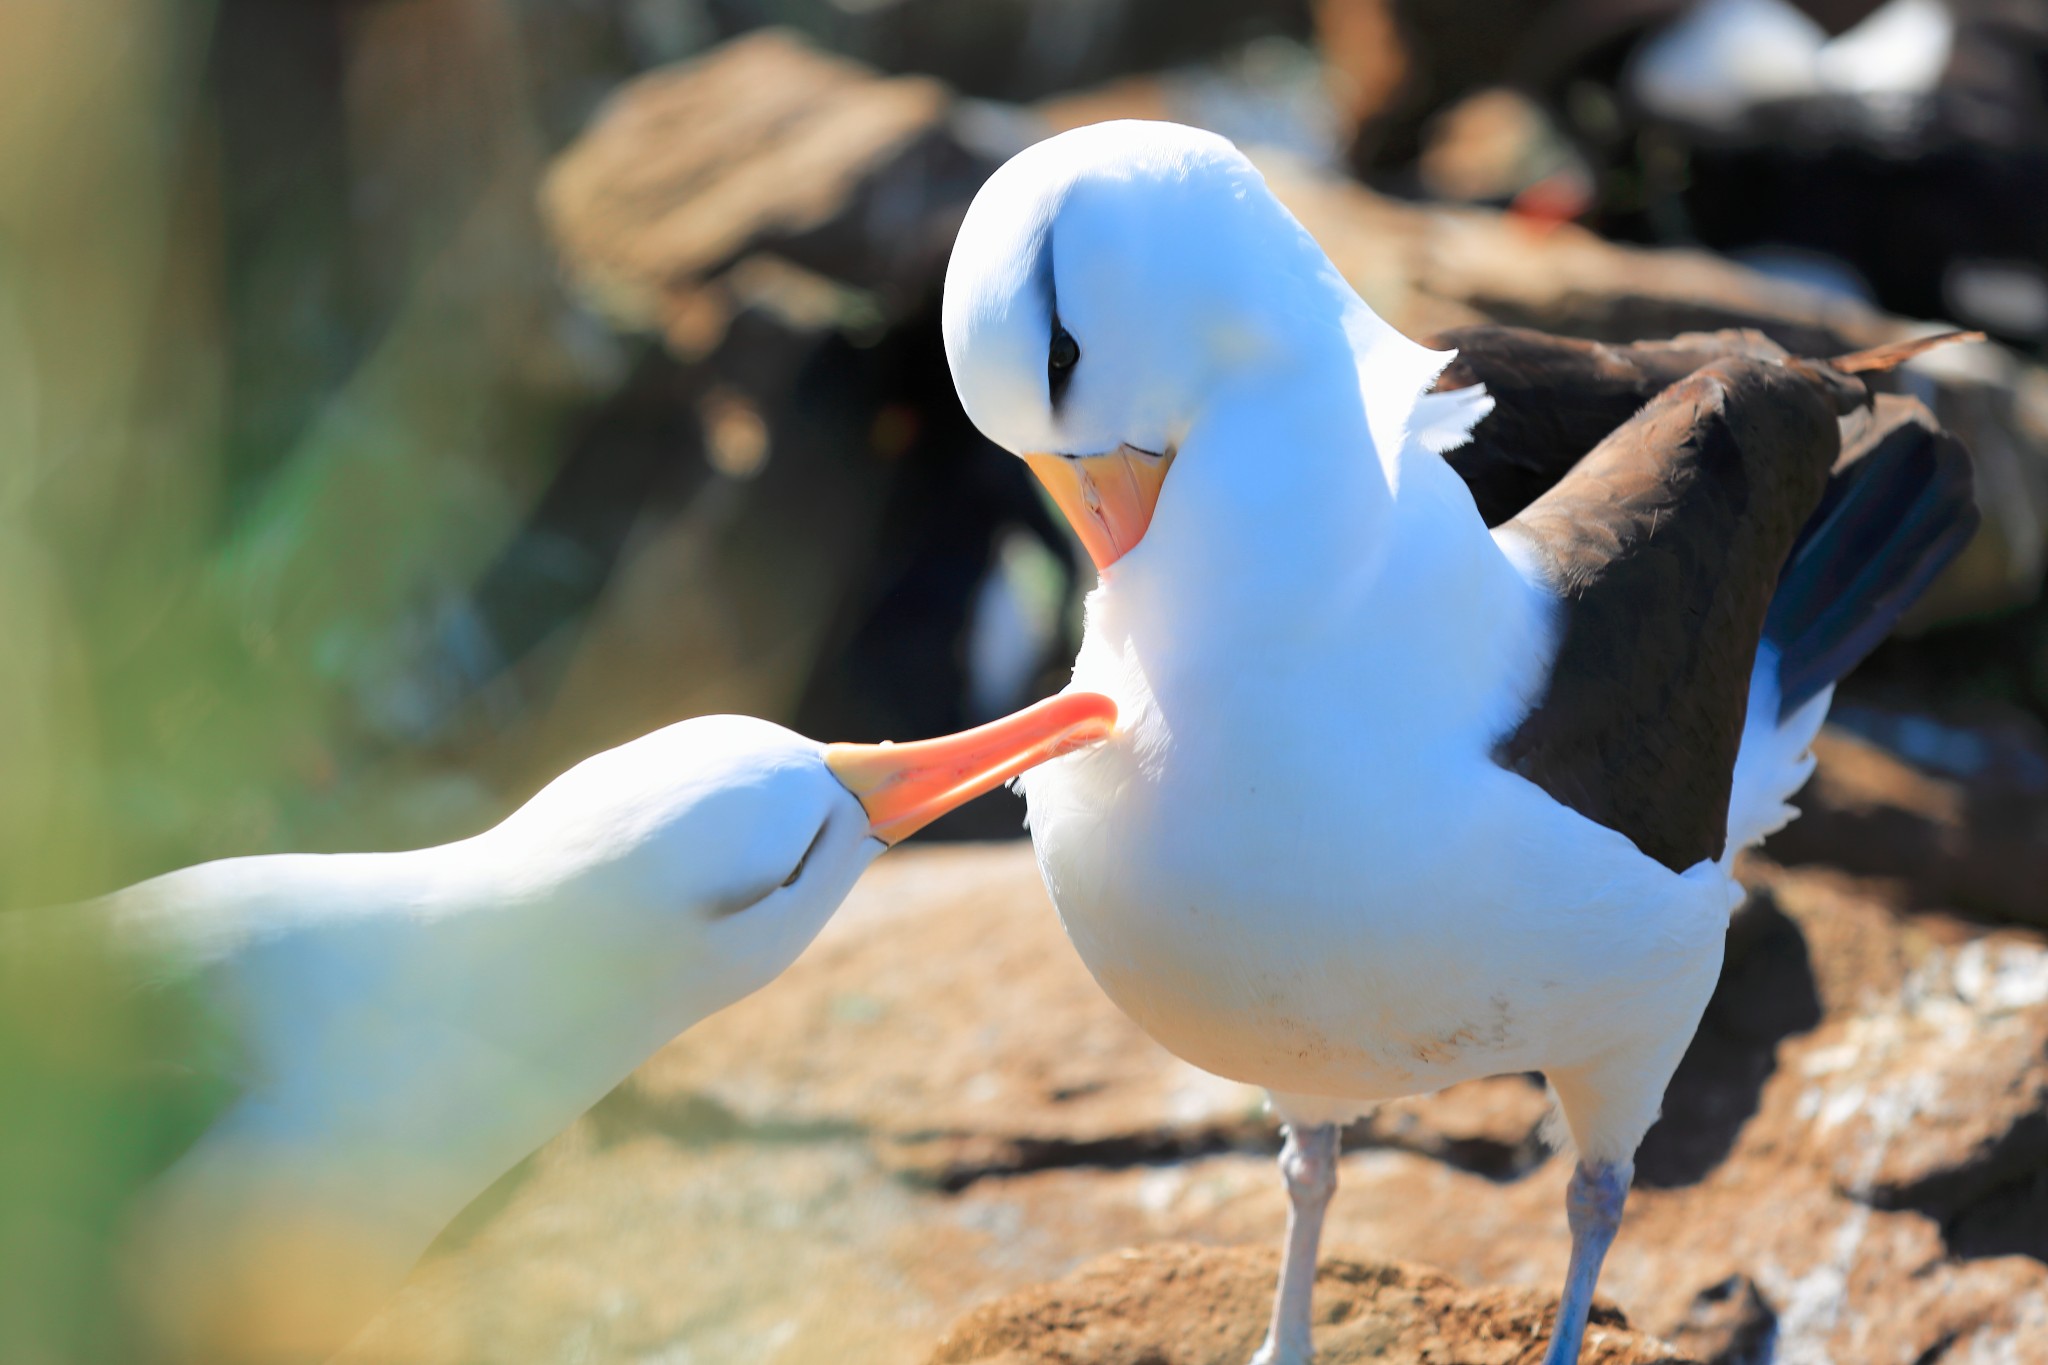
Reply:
x=1555, y=398
x=1680, y=494
x=1664, y=545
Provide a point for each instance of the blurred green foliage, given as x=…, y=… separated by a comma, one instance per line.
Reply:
x=190, y=620
x=260, y=410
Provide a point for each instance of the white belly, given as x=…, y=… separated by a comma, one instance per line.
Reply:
x=1345, y=909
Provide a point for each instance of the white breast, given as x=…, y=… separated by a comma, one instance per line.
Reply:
x=1301, y=867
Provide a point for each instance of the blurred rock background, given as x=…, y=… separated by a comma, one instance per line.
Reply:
x=402, y=399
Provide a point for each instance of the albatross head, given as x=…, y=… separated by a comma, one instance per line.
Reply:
x=744, y=836
x=1107, y=286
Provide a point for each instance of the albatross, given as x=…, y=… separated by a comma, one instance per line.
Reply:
x=1398, y=797
x=380, y=1036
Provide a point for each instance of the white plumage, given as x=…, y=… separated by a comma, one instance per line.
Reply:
x=1299, y=864
x=380, y=1036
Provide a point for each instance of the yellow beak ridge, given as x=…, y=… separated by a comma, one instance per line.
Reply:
x=1107, y=498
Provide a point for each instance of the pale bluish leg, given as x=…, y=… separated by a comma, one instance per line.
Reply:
x=1593, y=1207
x=1309, y=1162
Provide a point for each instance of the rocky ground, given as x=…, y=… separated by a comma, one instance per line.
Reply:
x=936, y=1114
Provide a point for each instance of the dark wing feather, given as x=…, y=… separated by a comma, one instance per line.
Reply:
x=1696, y=524
x=1899, y=506
x=1664, y=545
x=1555, y=398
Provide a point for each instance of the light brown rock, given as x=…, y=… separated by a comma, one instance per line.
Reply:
x=746, y=1189
x=1980, y=846
x=764, y=144
x=1185, y=1305
x=805, y=1177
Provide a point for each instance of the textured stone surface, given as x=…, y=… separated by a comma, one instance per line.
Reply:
x=935, y=1110
x=1183, y=1305
x=1974, y=841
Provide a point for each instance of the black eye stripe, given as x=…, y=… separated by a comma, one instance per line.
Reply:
x=1060, y=358
x=748, y=900
x=798, y=870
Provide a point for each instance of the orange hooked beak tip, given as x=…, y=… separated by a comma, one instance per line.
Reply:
x=904, y=787
x=1108, y=499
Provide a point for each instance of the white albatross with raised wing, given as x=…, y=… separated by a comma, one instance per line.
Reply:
x=1397, y=799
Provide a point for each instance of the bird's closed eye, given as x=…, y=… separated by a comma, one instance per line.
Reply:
x=798, y=870
x=737, y=904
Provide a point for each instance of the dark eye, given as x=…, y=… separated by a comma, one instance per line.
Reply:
x=1065, y=351
x=1060, y=359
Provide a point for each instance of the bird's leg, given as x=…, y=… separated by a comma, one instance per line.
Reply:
x=1309, y=1162
x=1593, y=1208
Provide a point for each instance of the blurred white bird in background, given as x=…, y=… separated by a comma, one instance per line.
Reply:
x=1725, y=56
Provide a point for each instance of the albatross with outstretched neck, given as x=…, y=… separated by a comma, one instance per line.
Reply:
x=372, y=1039
x=1400, y=798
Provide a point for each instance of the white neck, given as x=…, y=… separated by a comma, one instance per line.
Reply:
x=1299, y=516
x=419, y=1021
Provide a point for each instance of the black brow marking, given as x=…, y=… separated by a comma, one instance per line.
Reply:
x=798, y=870
x=1060, y=361
x=747, y=900
x=1056, y=377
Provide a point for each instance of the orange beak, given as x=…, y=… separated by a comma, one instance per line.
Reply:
x=904, y=787
x=1108, y=498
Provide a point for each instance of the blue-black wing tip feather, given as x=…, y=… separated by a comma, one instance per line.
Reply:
x=1892, y=520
